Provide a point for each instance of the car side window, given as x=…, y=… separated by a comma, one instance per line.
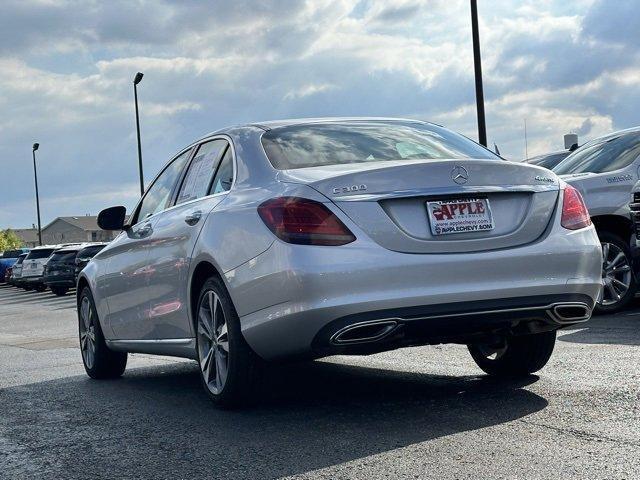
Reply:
x=157, y=196
x=602, y=156
x=196, y=181
x=224, y=176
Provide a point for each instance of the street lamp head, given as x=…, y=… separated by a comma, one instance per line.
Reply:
x=35, y=146
x=138, y=78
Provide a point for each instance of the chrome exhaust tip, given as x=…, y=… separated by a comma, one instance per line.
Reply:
x=364, y=332
x=570, y=313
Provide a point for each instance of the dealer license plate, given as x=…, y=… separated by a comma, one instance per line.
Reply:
x=464, y=215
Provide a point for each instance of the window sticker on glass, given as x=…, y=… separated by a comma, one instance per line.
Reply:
x=200, y=171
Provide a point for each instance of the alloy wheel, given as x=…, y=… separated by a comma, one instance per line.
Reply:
x=213, y=342
x=87, y=333
x=616, y=274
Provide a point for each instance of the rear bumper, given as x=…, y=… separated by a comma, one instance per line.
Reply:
x=286, y=296
x=60, y=281
x=462, y=322
x=34, y=280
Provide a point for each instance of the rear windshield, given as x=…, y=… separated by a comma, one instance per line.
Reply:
x=68, y=256
x=604, y=155
x=313, y=145
x=548, y=161
x=36, y=254
x=12, y=253
x=89, y=252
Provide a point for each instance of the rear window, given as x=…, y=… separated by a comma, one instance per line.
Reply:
x=604, y=155
x=89, y=252
x=36, y=254
x=68, y=256
x=21, y=258
x=301, y=146
x=12, y=253
x=548, y=161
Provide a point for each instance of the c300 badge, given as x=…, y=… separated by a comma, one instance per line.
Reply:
x=350, y=189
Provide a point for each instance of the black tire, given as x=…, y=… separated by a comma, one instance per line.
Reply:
x=59, y=291
x=517, y=356
x=106, y=363
x=27, y=289
x=627, y=298
x=244, y=368
x=40, y=288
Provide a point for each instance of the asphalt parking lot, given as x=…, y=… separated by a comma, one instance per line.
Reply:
x=416, y=413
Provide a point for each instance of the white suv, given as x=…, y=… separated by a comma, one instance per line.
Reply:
x=33, y=267
x=605, y=171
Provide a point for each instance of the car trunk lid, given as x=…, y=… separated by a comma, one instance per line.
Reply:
x=389, y=201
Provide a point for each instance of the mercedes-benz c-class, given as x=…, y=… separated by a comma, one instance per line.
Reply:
x=309, y=238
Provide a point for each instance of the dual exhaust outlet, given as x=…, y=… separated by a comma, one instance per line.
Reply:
x=376, y=330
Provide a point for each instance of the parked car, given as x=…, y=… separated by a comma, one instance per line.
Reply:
x=16, y=271
x=59, y=272
x=605, y=171
x=8, y=258
x=549, y=160
x=85, y=255
x=33, y=268
x=320, y=237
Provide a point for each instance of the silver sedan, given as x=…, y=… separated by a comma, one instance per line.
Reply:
x=308, y=238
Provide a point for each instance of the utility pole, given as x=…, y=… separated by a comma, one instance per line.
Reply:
x=35, y=177
x=526, y=143
x=477, y=62
x=136, y=81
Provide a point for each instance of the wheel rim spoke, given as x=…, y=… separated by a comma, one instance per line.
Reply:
x=616, y=260
x=221, y=368
x=203, y=325
x=623, y=286
x=612, y=291
x=223, y=339
x=206, y=365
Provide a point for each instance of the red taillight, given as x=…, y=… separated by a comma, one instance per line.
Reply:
x=574, y=212
x=303, y=221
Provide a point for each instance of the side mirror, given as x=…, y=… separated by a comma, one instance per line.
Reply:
x=112, y=218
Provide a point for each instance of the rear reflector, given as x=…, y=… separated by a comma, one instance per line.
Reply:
x=574, y=212
x=303, y=221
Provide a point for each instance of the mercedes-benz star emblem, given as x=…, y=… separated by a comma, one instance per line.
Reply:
x=459, y=175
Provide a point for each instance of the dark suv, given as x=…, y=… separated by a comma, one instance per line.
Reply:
x=59, y=272
x=85, y=255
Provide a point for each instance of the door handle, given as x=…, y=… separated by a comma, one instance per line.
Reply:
x=193, y=217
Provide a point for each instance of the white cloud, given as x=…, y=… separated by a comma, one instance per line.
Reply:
x=68, y=66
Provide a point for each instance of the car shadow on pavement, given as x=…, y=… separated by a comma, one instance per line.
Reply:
x=619, y=329
x=158, y=422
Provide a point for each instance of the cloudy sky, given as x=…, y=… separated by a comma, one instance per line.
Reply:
x=66, y=68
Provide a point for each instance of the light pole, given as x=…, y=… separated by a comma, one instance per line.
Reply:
x=136, y=81
x=477, y=62
x=35, y=176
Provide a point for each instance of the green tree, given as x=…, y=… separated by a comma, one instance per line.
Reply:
x=9, y=240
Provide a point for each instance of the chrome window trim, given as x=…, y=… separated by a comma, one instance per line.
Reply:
x=136, y=209
x=194, y=146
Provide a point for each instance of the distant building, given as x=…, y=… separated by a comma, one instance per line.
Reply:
x=29, y=236
x=75, y=229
